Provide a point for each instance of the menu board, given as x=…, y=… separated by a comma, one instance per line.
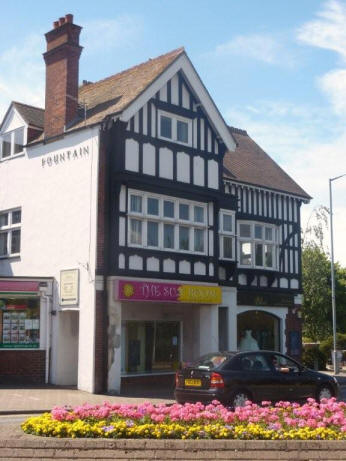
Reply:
x=18, y=330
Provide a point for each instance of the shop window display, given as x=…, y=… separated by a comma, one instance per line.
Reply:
x=258, y=330
x=19, y=323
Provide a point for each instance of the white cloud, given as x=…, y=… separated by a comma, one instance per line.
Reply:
x=22, y=74
x=261, y=47
x=333, y=84
x=309, y=144
x=101, y=35
x=329, y=31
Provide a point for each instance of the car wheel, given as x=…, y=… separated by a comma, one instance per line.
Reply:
x=324, y=392
x=239, y=399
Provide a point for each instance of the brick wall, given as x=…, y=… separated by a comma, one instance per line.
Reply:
x=22, y=367
x=101, y=319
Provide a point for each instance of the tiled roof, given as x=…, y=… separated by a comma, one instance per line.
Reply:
x=34, y=116
x=115, y=93
x=250, y=164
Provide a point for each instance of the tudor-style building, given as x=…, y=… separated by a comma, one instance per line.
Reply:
x=141, y=230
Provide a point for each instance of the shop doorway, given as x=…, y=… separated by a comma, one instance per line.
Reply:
x=258, y=330
x=151, y=347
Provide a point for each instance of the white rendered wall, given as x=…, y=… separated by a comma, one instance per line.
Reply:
x=58, y=197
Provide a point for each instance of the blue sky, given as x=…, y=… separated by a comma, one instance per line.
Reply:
x=275, y=68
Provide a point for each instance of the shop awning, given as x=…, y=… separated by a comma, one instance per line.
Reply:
x=18, y=287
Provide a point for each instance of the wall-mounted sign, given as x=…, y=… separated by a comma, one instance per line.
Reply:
x=133, y=290
x=69, y=287
x=65, y=156
x=265, y=299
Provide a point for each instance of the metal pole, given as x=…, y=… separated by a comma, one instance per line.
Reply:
x=334, y=358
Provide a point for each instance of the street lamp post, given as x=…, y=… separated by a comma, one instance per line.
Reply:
x=335, y=363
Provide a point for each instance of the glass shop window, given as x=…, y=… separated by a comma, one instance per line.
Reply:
x=19, y=323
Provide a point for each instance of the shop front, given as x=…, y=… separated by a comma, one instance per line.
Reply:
x=24, y=330
x=154, y=326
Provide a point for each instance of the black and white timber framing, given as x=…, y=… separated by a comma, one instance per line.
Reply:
x=142, y=161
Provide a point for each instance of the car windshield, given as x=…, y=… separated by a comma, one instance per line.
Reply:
x=210, y=361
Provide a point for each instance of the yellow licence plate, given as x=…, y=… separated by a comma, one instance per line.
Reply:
x=193, y=382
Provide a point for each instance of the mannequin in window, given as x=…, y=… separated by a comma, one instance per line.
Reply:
x=248, y=342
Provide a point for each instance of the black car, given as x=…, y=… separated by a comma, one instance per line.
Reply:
x=234, y=377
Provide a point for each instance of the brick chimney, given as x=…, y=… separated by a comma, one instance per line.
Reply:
x=62, y=63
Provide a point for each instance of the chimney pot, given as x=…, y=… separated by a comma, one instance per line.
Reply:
x=61, y=21
x=69, y=18
x=55, y=24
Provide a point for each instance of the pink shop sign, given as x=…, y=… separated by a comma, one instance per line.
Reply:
x=130, y=290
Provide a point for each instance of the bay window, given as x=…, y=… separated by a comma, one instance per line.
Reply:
x=226, y=232
x=166, y=223
x=257, y=245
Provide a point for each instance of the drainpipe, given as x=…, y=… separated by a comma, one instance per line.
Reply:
x=48, y=312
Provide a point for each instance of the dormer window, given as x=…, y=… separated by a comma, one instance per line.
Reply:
x=175, y=128
x=11, y=143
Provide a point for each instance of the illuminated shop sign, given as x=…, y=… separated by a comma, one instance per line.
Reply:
x=130, y=290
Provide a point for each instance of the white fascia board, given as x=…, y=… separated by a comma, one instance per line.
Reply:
x=12, y=113
x=183, y=63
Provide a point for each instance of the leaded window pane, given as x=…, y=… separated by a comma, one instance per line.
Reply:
x=184, y=238
x=199, y=214
x=227, y=223
x=3, y=220
x=166, y=127
x=3, y=243
x=245, y=253
x=153, y=206
x=168, y=209
x=15, y=241
x=153, y=234
x=168, y=236
x=182, y=131
x=258, y=231
x=184, y=211
x=136, y=232
x=228, y=247
x=136, y=204
x=199, y=240
x=268, y=233
x=268, y=255
x=245, y=230
x=258, y=254
x=16, y=217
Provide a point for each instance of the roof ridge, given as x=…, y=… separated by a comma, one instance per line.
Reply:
x=91, y=84
x=232, y=129
x=27, y=105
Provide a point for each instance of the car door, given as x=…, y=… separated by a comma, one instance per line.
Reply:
x=287, y=376
x=257, y=376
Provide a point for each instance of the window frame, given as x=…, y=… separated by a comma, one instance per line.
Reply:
x=12, y=135
x=8, y=229
x=162, y=220
x=175, y=118
x=253, y=240
x=225, y=233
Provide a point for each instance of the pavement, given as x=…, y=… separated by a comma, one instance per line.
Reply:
x=15, y=400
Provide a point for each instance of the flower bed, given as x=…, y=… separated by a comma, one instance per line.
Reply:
x=284, y=421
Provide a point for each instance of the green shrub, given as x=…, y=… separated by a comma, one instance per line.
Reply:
x=326, y=346
x=314, y=356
